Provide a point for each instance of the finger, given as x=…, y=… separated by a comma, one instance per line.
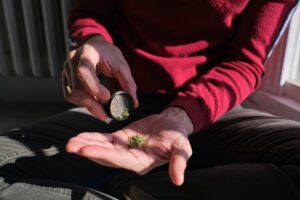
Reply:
x=70, y=80
x=85, y=138
x=102, y=163
x=71, y=54
x=180, y=154
x=91, y=104
x=176, y=169
x=74, y=83
x=85, y=99
x=67, y=91
x=116, y=157
x=66, y=78
x=66, y=68
x=101, y=137
x=121, y=72
x=68, y=64
x=68, y=94
x=87, y=75
x=128, y=84
x=73, y=146
x=120, y=139
x=65, y=83
x=76, y=143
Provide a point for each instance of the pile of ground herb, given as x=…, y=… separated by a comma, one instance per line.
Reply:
x=124, y=115
x=136, y=141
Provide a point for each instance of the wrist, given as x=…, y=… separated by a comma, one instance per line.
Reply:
x=180, y=116
x=95, y=38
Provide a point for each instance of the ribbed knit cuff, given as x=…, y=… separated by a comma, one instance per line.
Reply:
x=193, y=110
x=83, y=29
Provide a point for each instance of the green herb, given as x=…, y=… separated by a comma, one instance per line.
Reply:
x=136, y=141
x=125, y=113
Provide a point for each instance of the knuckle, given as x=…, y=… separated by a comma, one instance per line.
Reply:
x=71, y=54
x=88, y=52
x=85, y=48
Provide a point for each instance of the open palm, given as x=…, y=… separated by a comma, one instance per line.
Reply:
x=167, y=141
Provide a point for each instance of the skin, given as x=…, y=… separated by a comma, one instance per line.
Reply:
x=167, y=133
x=95, y=56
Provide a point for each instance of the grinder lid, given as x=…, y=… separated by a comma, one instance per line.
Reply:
x=120, y=105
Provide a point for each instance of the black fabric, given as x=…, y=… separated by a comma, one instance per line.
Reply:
x=223, y=182
x=248, y=151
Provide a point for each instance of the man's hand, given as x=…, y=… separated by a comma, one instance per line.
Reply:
x=81, y=85
x=167, y=141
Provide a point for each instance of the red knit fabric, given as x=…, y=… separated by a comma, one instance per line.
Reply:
x=209, y=53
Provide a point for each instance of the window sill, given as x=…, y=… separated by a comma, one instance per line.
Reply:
x=292, y=90
x=274, y=104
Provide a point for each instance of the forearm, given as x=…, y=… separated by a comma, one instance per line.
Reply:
x=239, y=71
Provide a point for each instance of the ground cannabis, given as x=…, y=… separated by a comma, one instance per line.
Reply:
x=124, y=115
x=136, y=141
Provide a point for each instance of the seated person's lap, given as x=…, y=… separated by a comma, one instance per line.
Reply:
x=241, y=136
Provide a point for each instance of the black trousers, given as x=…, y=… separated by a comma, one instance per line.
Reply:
x=246, y=154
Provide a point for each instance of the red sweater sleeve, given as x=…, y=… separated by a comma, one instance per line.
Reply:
x=93, y=17
x=232, y=79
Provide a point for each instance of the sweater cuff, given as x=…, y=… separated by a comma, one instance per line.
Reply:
x=194, y=111
x=83, y=29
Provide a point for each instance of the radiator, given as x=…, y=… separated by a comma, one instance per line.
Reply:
x=33, y=47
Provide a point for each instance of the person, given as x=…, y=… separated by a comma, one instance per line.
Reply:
x=187, y=65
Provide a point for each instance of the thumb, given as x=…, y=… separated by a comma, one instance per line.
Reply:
x=181, y=152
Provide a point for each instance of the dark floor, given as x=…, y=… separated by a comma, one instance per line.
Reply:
x=15, y=115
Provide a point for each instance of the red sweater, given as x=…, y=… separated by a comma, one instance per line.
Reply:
x=209, y=53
